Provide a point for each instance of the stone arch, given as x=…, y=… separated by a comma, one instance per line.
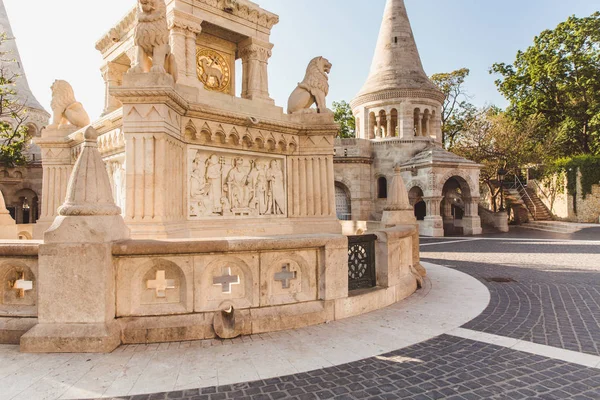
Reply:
x=10, y=272
x=242, y=295
x=144, y=296
x=463, y=179
x=343, y=202
x=24, y=235
x=32, y=130
x=26, y=201
x=247, y=141
x=191, y=133
x=18, y=175
x=302, y=288
x=395, y=122
x=259, y=142
x=234, y=137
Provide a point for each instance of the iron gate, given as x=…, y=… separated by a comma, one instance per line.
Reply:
x=361, y=262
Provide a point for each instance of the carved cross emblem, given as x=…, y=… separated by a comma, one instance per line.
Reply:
x=226, y=280
x=285, y=276
x=161, y=284
x=21, y=285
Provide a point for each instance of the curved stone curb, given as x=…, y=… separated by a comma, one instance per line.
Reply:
x=449, y=300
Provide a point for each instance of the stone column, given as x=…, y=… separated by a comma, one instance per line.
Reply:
x=433, y=224
x=378, y=128
x=471, y=220
x=389, y=132
x=427, y=119
x=191, y=49
x=406, y=117
x=420, y=125
x=178, y=41
x=112, y=73
x=56, y=168
x=255, y=56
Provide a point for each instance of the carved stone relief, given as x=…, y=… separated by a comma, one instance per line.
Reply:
x=213, y=70
x=223, y=184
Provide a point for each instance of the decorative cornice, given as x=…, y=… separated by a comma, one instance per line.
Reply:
x=184, y=21
x=398, y=94
x=115, y=35
x=245, y=10
x=151, y=95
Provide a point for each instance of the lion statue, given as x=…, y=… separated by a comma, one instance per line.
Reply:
x=151, y=37
x=313, y=89
x=67, y=112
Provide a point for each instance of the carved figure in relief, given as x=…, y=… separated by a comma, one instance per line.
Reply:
x=208, y=71
x=276, y=191
x=313, y=89
x=214, y=179
x=151, y=37
x=257, y=181
x=67, y=112
x=198, y=193
x=236, y=185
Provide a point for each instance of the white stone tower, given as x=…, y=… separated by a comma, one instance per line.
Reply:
x=398, y=99
x=38, y=117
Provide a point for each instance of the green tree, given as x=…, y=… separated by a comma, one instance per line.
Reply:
x=13, y=114
x=496, y=141
x=457, y=111
x=558, y=79
x=342, y=114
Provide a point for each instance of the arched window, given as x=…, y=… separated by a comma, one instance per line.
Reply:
x=342, y=202
x=382, y=188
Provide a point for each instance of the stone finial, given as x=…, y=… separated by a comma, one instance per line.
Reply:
x=398, y=196
x=89, y=192
x=398, y=210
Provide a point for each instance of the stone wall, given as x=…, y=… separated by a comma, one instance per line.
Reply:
x=581, y=209
x=173, y=290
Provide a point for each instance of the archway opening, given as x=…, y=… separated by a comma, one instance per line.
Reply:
x=455, y=193
x=343, y=202
x=26, y=207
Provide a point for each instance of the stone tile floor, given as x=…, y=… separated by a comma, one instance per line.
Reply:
x=538, y=338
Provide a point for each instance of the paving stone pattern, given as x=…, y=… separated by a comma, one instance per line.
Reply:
x=446, y=367
x=554, y=298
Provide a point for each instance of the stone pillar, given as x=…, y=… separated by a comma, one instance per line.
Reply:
x=112, y=73
x=427, y=119
x=155, y=155
x=420, y=125
x=434, y=224
x=191, y=49
x=406, y=119
x=56, y=168
x=183, y=33
x=389, y=132
x=178, y=41
x=471, y=220
x=378, y=127
x=255, y=56
x=76, y=275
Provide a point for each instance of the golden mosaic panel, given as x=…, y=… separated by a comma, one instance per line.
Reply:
x=213, y=70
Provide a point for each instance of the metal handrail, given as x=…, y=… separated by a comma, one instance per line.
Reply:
x=540, y=189
x=518, y=185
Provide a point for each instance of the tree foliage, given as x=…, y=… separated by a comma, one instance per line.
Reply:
x=342, y=114
x=457, y=111
x=13, y=113
x=497, y=142
x=557, y=80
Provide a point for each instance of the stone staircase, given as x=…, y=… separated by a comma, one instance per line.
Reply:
x=536, y=206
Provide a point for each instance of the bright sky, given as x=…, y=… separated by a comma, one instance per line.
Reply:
x=56, y=40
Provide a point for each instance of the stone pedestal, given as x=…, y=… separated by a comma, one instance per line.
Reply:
x=433, y=226
x=76, y=288
x=76, y=277
x=472, y=226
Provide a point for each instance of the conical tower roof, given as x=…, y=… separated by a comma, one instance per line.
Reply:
x=396, y=64
x=12, y=53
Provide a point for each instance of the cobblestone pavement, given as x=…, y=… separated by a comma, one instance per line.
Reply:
x=546, y=292
x=446, y=367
